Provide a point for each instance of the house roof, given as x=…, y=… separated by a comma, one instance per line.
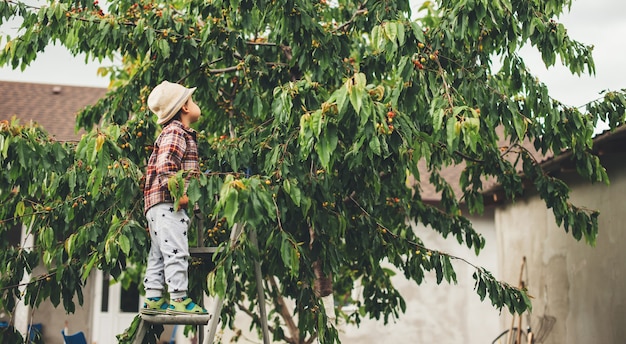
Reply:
x=54, y=107
x=607, y=142
x=603, y=143
x=452, y=173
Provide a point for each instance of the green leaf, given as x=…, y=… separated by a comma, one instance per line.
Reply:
x=341, y=95
x=452, y=133
x=95, y=179
x=437, y=112
x=356, y=91
x=391, y=30
x=220, y=281
x=164, y=48
x=356, y=99
x=59, y=11
x=19, y=209
x=69, y=244
x=448, y=270
x=326, y=145
x=520, y=125
x=481, y=288
x=47, y=258
x=321, y=324
x=295, y=262
x=124, y=243
x=527, y=302
x=257, y=105
x=401, y=33
x=193, y=192
x=374, y=145
x=417, y=31
x=176, y=186
x=108, y=251
x=87, y=267
x=458, y=109
x=5, y=143
x=72, y=180
x=438, y=119
x=231, y=206
x=283, y=104
x=376, y=37
x=435, y=260
x=293, y=191
x=47, y=237
x=150, y=36
x=317, y=121
x=289, y=255
x=210, y=282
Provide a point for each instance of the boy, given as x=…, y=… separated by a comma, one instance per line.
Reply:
x=175, y=149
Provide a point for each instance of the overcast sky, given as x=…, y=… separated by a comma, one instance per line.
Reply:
x=601, y=23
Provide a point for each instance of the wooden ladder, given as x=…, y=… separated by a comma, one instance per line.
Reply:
x=212, y=318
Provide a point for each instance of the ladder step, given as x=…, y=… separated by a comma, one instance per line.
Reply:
x=176, y=319
x=199, y=251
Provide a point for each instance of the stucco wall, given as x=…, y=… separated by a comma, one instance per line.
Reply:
x=443, y=314
x=53, y=319
x=580, y=286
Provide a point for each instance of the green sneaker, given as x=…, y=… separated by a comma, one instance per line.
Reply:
x=154, y=306
x=185, y=307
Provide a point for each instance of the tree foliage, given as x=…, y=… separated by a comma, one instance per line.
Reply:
x=315, y=116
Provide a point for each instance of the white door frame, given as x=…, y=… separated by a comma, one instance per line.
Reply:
x=106, y=325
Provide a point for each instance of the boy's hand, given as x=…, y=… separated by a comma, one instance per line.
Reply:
x=183, y=202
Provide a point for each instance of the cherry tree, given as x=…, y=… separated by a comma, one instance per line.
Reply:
x=315, y=116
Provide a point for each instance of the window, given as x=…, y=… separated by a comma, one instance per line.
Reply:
x=129, y=299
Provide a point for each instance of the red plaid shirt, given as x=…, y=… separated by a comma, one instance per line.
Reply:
x=175, y=149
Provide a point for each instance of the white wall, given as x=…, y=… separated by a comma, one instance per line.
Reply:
x=581, y=286
x=440, y=313
x=53, y=318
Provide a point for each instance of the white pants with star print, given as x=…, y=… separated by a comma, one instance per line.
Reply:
x=169, y=251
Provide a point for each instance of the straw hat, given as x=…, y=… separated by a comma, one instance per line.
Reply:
x=167, y=98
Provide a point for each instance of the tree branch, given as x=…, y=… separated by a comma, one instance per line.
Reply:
x=361, y=10
x=412, y=243
x=70, y=15
x=252, y=315
x=284, y=312
x=312, y=339
x=200, y=67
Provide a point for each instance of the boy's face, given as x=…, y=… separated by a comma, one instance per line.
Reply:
x=191, y=111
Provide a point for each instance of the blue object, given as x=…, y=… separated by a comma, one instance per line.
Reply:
x=34, y=329
x=173, y=337
x=76, y=338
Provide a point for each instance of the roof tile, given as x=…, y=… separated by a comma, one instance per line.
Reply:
x=53, y=107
